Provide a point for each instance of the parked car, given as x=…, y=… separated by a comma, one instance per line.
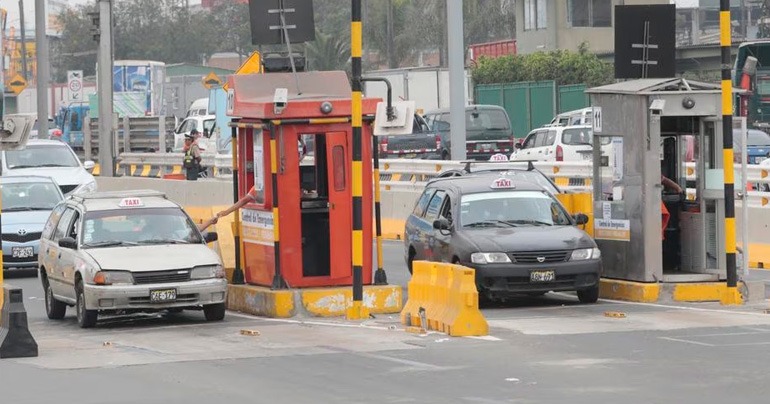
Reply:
x=50, y=158
x=487, y=127
x=27, y=203
x=423, y=143
x=560, y=143
x=204, y=124
x=53, y=131
x=516, y=235
x=521, y=173
x=130, y=251
x=757, y=146
x=583, y=116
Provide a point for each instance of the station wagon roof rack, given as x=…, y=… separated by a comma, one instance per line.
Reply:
x=141, y=193
x=470, y=163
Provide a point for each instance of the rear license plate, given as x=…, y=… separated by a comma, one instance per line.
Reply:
x=542, y=276
x=162, y=295
x=587, y=156
x=484, y=146
x=410, y=155
x=22, y=252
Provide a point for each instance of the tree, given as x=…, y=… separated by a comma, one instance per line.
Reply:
x=328, y=52
x=562, y=66
x=75, y=49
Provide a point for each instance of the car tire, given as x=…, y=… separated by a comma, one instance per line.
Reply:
x=86, y=318
x=214, y=312
x=54, y=309
x=590, y=295
x=410, y=261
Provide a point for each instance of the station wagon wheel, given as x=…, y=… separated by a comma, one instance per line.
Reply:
x=214, y=312
x=54, y=309
x=86, y=318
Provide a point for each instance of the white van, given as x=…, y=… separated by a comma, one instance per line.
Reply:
x=559, y=143
x=582, y=116
x=199, y=107
x=208, y=136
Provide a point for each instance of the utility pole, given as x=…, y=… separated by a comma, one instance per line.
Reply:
x=390, y=42
x=456, y=79
x=24, y=70
x=43, y=67
x=104, y=76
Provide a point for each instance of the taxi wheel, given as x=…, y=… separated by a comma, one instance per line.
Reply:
x=54, y=309
x=590, y=295
x=214, y=312
x=86, y=318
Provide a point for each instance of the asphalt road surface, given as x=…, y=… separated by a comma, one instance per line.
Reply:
x=540, y=350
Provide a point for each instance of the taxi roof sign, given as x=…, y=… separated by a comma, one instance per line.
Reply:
x=502, y=183
x=131, y=202
x=498, y=157
x=212, y=80
x=17, y=84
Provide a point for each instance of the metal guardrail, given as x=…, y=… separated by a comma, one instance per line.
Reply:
x=137, y=134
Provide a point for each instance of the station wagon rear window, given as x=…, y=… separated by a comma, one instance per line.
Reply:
x=511, y=209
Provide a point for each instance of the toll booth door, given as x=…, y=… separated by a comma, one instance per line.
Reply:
x=340, y=205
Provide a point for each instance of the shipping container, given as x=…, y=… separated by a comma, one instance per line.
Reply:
x=491, y=49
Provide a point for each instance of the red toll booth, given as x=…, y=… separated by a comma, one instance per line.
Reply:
x=298, y=233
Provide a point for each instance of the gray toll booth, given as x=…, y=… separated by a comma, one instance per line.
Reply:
x=648, y=128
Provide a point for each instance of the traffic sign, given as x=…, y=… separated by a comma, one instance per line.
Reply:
x=17, y=84
x=212, y=80
x=252, y=65
x=75, y=85
x=597, y=119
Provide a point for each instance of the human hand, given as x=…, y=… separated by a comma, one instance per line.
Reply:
x=220, y=214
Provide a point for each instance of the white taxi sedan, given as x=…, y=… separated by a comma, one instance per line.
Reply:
x=127, y=252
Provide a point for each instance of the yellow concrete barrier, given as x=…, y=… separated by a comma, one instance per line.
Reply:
x=580, y=203
x=447, y=293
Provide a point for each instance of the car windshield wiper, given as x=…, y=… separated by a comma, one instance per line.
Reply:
x=22, y=166
x=529, y=221
x=164, y=241
x=490, y=223
x=108, y=243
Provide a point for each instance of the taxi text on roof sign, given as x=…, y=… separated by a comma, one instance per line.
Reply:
x=498, y=157
x=130, y=202
x=502, y=183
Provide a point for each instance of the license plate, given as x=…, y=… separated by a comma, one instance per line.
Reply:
x=542, y=276
x=22, y=252
x=587, y=156
x=410, y=155
x=484, y=146
x=162, y=295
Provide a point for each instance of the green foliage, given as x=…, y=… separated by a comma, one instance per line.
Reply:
x=562, y=66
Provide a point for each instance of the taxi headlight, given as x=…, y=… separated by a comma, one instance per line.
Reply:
x=490, y=258
x=113, y=278
x=586, y=254
x=207, y=272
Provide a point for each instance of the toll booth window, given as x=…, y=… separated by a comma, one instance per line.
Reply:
x=611, y=174
x=338, y=160
x=763, y=86
x=259, y=168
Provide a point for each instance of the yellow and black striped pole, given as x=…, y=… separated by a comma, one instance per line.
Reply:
x=732, y=296
x=278, y=282
x=357, y=311
x=237, y=271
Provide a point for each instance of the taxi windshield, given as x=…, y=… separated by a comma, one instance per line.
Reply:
x=138, y=227
x=21, y=196
x=511, y=209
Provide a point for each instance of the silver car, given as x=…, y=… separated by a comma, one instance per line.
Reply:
x=127, y=252
x=27, y=203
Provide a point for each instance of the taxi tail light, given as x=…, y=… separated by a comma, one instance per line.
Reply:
x=438, y=143
x=559, y=153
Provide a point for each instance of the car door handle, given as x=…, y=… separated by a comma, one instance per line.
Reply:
x=59, y=255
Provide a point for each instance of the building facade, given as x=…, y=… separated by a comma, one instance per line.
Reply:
x=545, y=25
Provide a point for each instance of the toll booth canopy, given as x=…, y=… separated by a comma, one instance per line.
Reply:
x=296, y=154
x=652, y=128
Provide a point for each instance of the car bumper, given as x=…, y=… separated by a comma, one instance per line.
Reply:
x=189, y=294
x=511, y=279
x=11, y=262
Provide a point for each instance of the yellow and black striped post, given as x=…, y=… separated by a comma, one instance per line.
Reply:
x=357, y=311
x=278, y=282
x=732, y=296
x=237, y=271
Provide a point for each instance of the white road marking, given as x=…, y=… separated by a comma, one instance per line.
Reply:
x=304, y=322
x=486, y=338
x=687, y=341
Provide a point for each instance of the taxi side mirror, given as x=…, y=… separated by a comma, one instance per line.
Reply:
x=442, y=223
x=517, y=146
x=581, y=219
x=210, y=237
x=68, y=242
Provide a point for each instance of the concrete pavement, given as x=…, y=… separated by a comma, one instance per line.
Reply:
x=541, y=350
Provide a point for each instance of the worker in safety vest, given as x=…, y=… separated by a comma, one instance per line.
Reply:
x=192, y=156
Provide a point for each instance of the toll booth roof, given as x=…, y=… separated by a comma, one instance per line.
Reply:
x=656, y=86
x=254, y=94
